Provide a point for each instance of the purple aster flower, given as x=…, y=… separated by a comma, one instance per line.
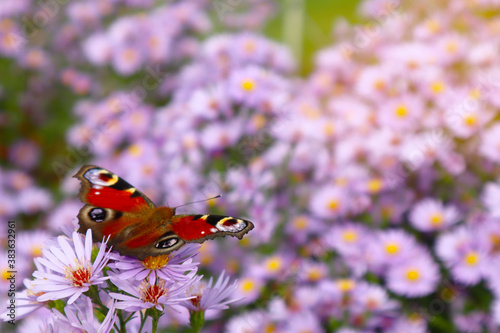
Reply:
x=25, y=154
x=143, y=295
x=408, y=325
x=414, y=278
x=496, y=311
x=80, y=315
x=64, y=215
x=26, y=302
x=489, y=197
x=33, y=200
x=391, y=247
x=465, y=254
x=171, y=267
x=251, y=321
x=304, y=322
x=211, y=297
x=330, y=202
x=372, y=298
x=32, y=242
x=430, y=215
x=69, y=268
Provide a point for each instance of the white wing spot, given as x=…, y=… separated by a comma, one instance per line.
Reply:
x=214, y=230
x=238, y=226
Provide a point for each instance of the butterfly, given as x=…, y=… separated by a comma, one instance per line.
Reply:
x=135, y=226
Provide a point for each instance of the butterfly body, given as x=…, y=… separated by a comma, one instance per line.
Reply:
x=135, y=226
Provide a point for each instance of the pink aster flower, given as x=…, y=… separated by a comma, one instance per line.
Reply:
x=430, y=215
x=70, y=270
x=414, y=278
x=144, y=295
x=171, y=267
x=211, y=297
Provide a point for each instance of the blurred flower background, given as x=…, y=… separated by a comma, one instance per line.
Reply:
x=363, y=143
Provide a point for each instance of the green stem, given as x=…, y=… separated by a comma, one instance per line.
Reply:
x=197, y=320
x=155, y=314
x=143, y=321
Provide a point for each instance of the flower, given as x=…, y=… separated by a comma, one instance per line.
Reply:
x=69, y=269
x=464, y=254
x=430, y=215
x=171, y=267
x=80, y=315
x=144, y=295
x=414, y=278
x=206, y=296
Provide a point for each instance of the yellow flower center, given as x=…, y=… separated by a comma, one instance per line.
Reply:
x=374, y=185
x=472, y=258
x=328, y=129
x=475, y=93
x=270, y=328
x=129, y=55
x=401, y=111
x=314, y=274
x=437, y=87
x=350, y=236
x=274, y=264
x=248, y=85
x=392, y=248
x=259, y=121
x=346, y=285
x=451, y=46
x=156, y=262
x=300, y=223
x=387, y=211
x=135, y=150
x=470, y=120
x=36, y=251
x=379, y=84
x=5, y=274
x=412, y=275
x=247, y=285
x=433, y=26
x=249, y=46
x=333, y=204
x=437, y=219
x=232, y=265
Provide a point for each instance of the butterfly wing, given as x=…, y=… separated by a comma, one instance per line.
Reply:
x=116, y=209
x=198, y=228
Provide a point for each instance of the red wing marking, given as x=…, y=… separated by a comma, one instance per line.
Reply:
x=107, y=197
x=188, y=228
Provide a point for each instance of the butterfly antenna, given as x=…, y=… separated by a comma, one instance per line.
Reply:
x=189, y=203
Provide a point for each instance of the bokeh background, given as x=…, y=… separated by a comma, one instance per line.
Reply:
x=360, y=137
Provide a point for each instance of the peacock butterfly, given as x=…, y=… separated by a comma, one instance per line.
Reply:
x=135, y=226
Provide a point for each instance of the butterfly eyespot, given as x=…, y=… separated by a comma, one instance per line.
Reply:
x=97, y=214
x=167, y=243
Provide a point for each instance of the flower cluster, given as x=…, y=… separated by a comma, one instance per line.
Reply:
x=74, y=279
